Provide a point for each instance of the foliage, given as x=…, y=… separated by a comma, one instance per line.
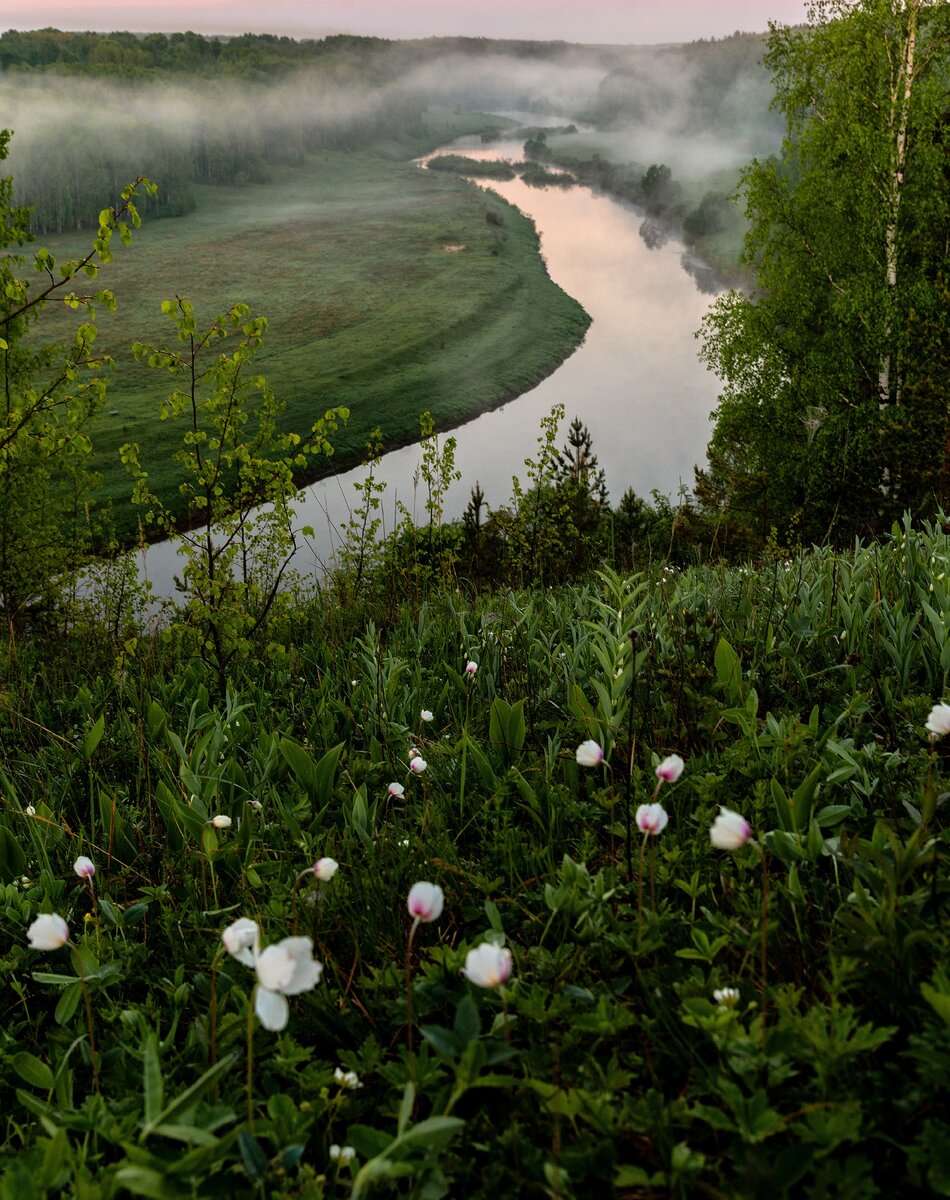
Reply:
x=49, y=390
x=236, y=500
x=834, y=415
x=797, y=695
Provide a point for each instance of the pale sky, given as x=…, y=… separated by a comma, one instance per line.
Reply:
x=591, y=21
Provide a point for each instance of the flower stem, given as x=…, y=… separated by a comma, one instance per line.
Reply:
x=412, y=1059
x=87, y=1001
x=249, y=1079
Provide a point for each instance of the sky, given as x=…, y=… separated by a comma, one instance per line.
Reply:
x=590, y=21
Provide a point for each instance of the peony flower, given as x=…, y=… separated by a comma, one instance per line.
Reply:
x=239, y=939
x=938, y=723
x=488, y=965
x=84, y=867
x=221, y=821
x=283, y=969
x=589, y=754
x=670, y=769
x=470, y=669
x=425, y=901
x=48, y=932
x=729, y=831
x=728, y=997
x=417, y=765
x=651, y=818
x=396, y=790
x=325, y=868
x=427, y=716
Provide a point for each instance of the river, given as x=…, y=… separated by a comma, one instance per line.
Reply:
x=636, y=380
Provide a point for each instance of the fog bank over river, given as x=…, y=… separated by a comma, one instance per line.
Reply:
x=636, y=380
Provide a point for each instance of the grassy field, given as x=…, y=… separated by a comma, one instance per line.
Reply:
x=388, y=289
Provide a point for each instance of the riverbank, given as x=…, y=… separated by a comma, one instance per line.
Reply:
x=388, y=290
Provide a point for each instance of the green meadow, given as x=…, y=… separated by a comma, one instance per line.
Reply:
x=388, y=289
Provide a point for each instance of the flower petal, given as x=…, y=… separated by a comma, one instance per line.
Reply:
x=272, y=1008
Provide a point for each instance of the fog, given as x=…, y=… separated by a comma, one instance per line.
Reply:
x=699, y=109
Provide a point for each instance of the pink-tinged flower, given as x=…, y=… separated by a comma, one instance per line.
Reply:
x=396, y=790
x=589, y=754
x=48, y=932
x=417, y=765
x=471, y=668
x=651, y=818
x=325, y=868
x=221, y=821
x=729, y=831
x=938, y=723
x=488, y=965
x=413, y=753
x=255, y=804
x=427, y=716
x=84, y=867
x=425, y=901
x=670, y=769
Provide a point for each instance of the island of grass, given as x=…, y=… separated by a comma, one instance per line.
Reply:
x=460, y=164
x=388, y=289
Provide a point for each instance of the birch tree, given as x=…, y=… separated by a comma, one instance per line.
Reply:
x=833, y=416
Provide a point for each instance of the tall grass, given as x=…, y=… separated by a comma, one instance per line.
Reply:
x=643, y=1045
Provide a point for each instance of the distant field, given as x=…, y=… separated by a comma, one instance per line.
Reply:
x=389, y=289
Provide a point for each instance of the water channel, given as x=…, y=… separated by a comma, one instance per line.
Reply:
x=636, y=380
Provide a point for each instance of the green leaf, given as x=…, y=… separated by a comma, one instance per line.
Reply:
x=467, y=1024
x=33, y=1070
x=153, y=1087
x=253, y=1157
x=189, y=1097
x=405, y=1108
x=68, y=1003
x=146, y=1181
x=93, y=737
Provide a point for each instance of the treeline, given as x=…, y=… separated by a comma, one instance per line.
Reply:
x=218, y=135
x=133, y=55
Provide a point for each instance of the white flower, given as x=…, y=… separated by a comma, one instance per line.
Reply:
x=413, y=753
x=84, y=867
x=283, y=969
x=670, y=769
x=396, y=790
x=342, y=1154
x=427, y=716
x=48, y=932
x=938, y=723
x=221, y=821
x=255, y=804
x=471, y=668
x=728, y=997
x=488, y=965
x=347, y=1079
x=729, y=831
x=30, y=810
x=589, y=754
x=325, y=868
x=425, y=901
x=417, y=765
x=652, y=818
x=239, y=939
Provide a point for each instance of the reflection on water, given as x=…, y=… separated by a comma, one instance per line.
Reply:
x=636, y=381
